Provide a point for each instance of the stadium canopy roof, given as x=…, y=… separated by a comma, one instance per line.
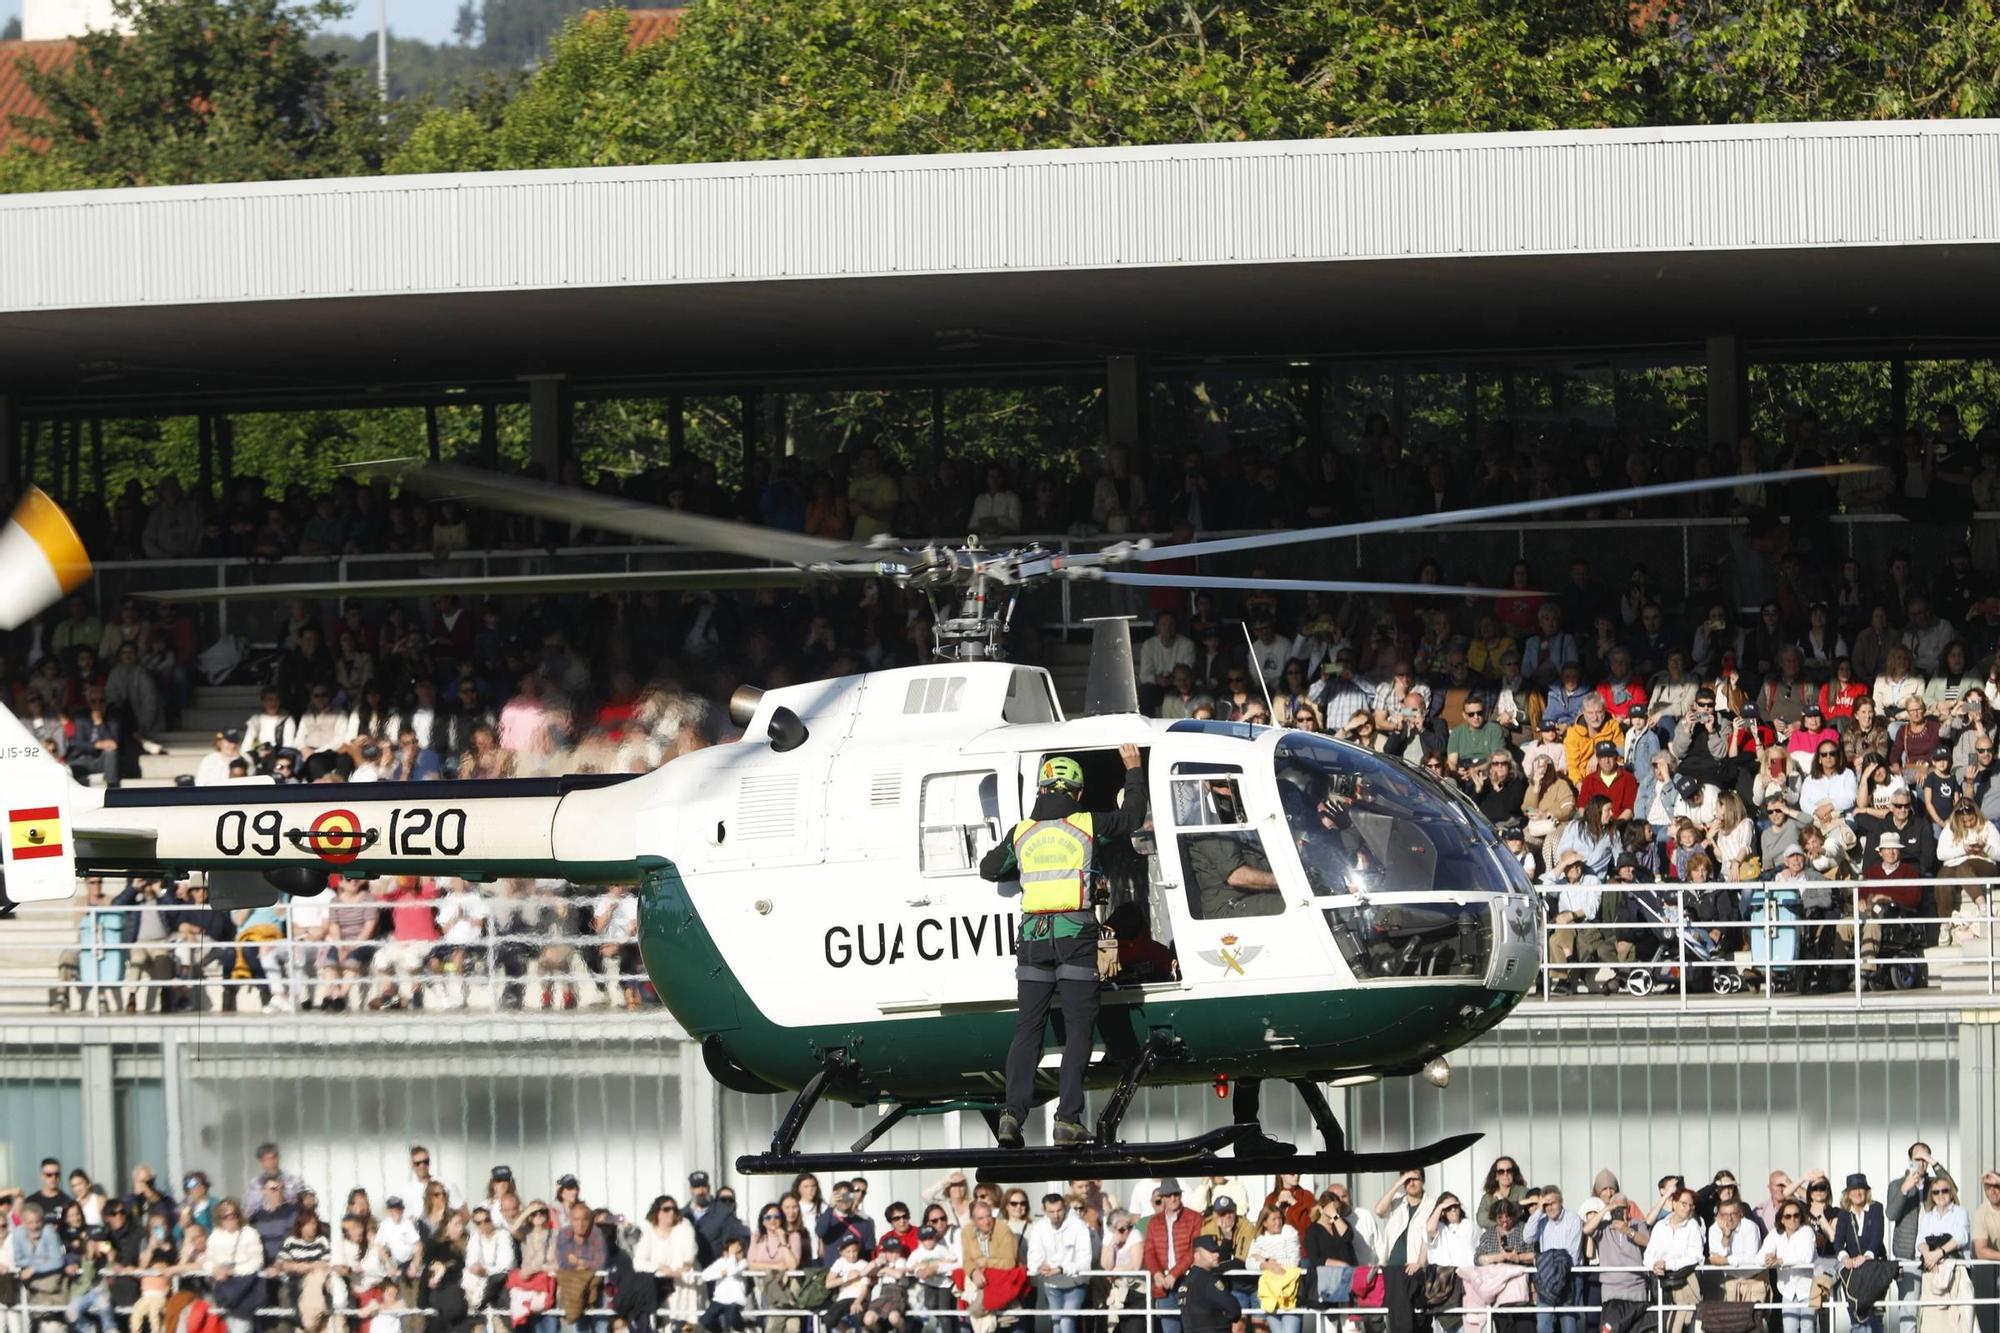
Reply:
x=1842, y=239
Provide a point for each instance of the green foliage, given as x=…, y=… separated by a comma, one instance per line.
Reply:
x=1773, y=60
x=419, y=73
x=591, y=105
x=1402, y=67
x=514, y=34
x=201, y=90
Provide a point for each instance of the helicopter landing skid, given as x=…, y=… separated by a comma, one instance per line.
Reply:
x=1104, y=1160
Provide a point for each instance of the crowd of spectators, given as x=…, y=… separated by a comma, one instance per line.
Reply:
x=1723, y=759
x=1214, y=1253
x=392, y=943
x=1664, y=761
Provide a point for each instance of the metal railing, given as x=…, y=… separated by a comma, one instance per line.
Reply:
x=286, y=972
x=27, y=1315
x=1790, y=950
x=1682, y=543
x=1791, y=955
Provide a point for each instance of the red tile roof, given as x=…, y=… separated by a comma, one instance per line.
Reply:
x=645, y=26
x=15, y=97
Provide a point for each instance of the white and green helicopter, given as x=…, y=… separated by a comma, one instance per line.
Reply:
x=810, y=904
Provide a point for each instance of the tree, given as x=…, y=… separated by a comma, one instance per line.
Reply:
x=1774, y=60
x=1401, y=67
x=201, y=90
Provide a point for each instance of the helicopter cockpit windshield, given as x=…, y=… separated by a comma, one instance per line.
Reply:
x=1405, y=856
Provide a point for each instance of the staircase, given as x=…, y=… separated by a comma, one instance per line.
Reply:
x=30, y=944
x=212, y=709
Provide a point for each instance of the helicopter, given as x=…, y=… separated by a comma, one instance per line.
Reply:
x=809, y=898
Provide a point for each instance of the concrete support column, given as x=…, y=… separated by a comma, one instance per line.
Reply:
x=205, y=442
x=550, y=410
x=489, y=435
x=10, y=442
x=1125, y=407
x=937, y=427
x=100, y=1106
x=171, y=1092
x=1728, y=389
x=704, y=1147
x=1899, y=394
x=750, y=422
x=677, y=428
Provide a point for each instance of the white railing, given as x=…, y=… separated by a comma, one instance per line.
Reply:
x=1887, y=945
x=27, y=1315
x=286, y=973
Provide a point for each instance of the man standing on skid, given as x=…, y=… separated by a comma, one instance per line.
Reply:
x=1053, y=853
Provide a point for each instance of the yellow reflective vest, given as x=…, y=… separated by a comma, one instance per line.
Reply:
x=1055, y=858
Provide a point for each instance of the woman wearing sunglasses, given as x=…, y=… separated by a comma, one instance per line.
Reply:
x=1503, y=1181
x=1943, y=1229
x=1788, y=1253
x=775, y=1250
x=1829, y=780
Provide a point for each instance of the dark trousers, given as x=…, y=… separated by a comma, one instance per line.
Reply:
x=1400, y=1301
x=1986, y=1284
x=1046, y=970
x=82, y=765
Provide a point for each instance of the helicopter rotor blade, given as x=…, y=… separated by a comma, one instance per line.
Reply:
x=504, y=585
x=1483, y=513
x=611, y=513
x=1137, y=580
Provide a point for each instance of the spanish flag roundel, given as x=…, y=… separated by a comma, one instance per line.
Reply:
x=34, y=833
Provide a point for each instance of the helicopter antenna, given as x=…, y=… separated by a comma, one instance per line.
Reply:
x=1250, y=662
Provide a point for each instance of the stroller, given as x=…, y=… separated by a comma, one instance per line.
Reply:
x=1660, y=941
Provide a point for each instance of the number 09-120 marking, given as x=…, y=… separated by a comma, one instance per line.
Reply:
x=237, y=831
x=420, y=832
x=414, y=832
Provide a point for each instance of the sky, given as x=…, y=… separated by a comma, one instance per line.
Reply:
x=425, y=20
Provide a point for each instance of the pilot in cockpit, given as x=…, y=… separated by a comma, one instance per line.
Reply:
x=1336, y=857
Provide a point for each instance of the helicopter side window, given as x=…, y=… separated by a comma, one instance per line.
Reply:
x=960, y=821
x=1223, y=861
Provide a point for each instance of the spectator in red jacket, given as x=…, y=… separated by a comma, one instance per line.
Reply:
x=1169, y=1250
x=1611, y=780
x=1621, y=691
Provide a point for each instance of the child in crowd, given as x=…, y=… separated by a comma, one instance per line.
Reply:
x=731, y=1291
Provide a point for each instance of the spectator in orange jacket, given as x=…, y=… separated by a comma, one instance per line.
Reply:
x=1169, y=1250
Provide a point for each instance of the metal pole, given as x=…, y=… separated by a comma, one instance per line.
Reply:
x=382, y=55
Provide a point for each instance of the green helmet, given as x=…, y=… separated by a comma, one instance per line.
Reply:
x=1060, y=773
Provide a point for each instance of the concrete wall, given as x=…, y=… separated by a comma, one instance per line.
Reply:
x=626, y=1105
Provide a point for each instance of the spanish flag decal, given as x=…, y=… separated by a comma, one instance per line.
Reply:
x=34, y=833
